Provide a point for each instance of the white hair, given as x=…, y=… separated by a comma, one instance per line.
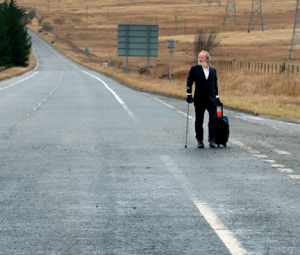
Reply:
x=206, y=53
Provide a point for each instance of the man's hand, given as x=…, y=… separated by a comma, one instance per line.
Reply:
x=189, y=99
x=219, y=103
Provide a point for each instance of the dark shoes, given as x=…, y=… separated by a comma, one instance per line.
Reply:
x=211, y=142
x=200, y=144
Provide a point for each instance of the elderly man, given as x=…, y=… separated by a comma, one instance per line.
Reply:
x=206, y=97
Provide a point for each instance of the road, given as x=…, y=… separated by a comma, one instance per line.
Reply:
x=90, y=166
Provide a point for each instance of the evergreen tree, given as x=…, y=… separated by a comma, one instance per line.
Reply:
x=5, y=45
x=17, y=32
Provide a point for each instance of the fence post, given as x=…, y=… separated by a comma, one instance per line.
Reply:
x=292, y=68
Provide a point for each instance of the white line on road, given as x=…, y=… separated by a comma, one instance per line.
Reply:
x=172, y=107
x=243, y=146
x=285, y=170
x=224, y=234
x=296, y=177
x=232, y=244
x=129, y=112
x=277, y=166
x=282, y=152
x=18, y=81
x=269, y=161
x=44, y=100
x=260, y=156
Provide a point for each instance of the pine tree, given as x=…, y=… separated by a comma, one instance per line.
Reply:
x=5, y=45
x=20, y=41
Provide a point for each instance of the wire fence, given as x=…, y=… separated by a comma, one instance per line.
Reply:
x=254, y=67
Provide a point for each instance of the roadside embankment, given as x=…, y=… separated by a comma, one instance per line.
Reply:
x=14, y=71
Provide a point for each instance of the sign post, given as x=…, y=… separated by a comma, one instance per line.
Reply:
x=171, y=44
x=137, y=41
x=86, y=52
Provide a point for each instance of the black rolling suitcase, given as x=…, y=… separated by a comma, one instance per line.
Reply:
x=222, y=131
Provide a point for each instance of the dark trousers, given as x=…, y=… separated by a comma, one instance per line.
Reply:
x=213, y=118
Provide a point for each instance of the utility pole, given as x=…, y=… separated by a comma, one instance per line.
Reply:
x=211, y=1
x=230, y=8
x=256, y=9
x=295, y=39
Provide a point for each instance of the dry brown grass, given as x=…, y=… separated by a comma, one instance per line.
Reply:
x=97, y=30
x=14, y=71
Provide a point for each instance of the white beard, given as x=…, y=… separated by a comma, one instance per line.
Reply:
x=203, y=64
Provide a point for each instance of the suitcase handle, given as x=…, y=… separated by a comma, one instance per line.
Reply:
x=221, y=110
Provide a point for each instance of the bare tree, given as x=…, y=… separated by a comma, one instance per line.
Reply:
x=32, y=14
x=205, y=39
x=40, y=20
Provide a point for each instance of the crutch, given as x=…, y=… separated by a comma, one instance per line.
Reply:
x=187, y=124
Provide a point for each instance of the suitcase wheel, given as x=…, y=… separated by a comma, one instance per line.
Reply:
x=224, y=144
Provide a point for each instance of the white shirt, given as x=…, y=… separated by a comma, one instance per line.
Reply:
x=206, y=72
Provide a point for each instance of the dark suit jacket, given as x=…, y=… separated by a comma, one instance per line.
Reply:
x=204, y=89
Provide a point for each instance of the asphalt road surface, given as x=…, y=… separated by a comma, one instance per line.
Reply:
x=90, y=166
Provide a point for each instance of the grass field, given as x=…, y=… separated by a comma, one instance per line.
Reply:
x=80, y=24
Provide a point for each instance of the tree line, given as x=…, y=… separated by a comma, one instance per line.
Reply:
x=15, y=43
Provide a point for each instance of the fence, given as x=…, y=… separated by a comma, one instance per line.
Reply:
x=254, y=67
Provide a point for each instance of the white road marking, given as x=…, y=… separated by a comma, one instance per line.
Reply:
x=282, y=152
x=277, y=166
x=276, y=150
x=296, y=177
x=129, y=112
x=243, y=146
x=285, y=170
x=260, y=156
x=18, y=81
x=227, y=237
x=265, y=144
x=269, y=161
x=172, y=107
x=278, y=128
x=44, y=100
x=224, y=234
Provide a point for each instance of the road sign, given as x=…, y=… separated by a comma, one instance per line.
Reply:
x=86, y=52
x=137, y=41
x=171, y=44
